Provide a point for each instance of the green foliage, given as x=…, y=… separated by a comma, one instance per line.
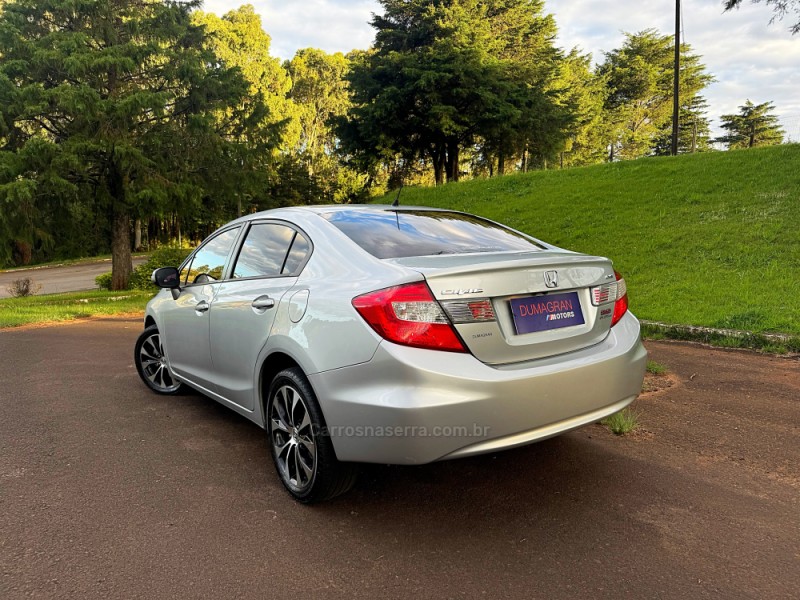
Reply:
x=103, y=281
x=584, y=94
x=448, y=75
x=167, y=256
x=640, y=81
x=114, y=105
x=322, y=95
x=622, y=422
x=258, y=128
x=656, y=368
x=754, y=125
x=692, y=235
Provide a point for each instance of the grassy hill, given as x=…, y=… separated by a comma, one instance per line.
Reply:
x=706, y=239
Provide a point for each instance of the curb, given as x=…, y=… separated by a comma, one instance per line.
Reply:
x=722, y=337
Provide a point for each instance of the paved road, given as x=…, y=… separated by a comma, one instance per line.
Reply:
x=54, y=280
x=108, y=491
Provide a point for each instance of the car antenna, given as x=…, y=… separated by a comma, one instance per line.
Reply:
x=397, y=198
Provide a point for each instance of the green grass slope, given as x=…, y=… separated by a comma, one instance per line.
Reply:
x=707, y=239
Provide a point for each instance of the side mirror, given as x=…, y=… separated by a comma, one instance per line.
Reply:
x=167, y=277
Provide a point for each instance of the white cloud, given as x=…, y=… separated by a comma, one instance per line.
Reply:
x=332, y=25
x=749, y=58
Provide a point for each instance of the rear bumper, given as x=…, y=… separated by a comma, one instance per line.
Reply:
x=413, y=406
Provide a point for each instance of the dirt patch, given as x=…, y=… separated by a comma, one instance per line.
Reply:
x=654, y=384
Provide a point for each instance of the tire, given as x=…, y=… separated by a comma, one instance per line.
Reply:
x=152, y=365
x=299, y=442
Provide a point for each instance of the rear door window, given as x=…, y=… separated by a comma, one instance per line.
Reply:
x=271, y=250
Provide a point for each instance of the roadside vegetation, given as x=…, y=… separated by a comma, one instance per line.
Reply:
x=710, y=239
x=655, y=368
x=622, y=422
x=49, y=308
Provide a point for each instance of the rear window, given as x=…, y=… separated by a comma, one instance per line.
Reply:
x=404, y=233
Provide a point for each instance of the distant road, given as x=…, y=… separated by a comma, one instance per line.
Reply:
x=54, y=280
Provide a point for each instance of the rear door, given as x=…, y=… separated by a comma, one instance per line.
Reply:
x=271, y=256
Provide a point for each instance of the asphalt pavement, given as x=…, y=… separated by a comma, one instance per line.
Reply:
x=109, y=491
x=58, y=279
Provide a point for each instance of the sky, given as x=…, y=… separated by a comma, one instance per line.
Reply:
x=750, y=58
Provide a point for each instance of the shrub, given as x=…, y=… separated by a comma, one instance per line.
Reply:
x=140, y=278
x=22, y=288
x=103, y=281
x=167, y=256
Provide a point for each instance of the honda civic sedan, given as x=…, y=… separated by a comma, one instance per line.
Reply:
x=395, y=335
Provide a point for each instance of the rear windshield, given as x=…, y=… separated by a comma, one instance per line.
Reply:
x=403, y=233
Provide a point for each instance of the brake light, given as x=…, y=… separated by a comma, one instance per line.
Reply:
x=621, y=305
x=409, y=315
x=616, y=292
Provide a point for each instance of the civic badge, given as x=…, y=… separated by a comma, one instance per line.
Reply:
x=551, y=279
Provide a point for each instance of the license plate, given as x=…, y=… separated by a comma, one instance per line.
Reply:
x=542, y=313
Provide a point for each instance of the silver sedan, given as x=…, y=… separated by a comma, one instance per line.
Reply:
x=391, y=335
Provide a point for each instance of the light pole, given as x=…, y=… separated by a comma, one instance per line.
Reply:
x=676, y=83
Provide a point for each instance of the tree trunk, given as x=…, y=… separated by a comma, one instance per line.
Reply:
x=121, y=264
x=525, y=159
x=437, y=156
x=501, y=163
x=452, y=161
x=137, y=235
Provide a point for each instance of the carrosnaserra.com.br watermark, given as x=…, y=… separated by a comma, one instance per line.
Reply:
x=474, y=430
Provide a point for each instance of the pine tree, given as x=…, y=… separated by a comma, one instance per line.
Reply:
x=640, y=79
x=446, y=76
x=754, y=125
x=113, y=101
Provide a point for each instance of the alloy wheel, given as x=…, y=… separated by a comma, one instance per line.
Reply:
x=154, y=365
x=292, y=438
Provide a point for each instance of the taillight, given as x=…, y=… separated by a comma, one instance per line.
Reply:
x=409, y=315
x=617, y=293
x=621, y=305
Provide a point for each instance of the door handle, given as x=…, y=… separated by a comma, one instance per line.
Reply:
x=263, y=303
x=202, y=306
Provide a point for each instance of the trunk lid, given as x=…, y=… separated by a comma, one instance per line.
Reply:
x=541, y=301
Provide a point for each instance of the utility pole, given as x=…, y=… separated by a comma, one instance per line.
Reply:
x=676, y=85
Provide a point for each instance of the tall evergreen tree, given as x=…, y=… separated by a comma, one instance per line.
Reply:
x=445, y=75
x=112, y=100
x=322, y=95
x=640, y=80
x=694, y=129
x=754, y=125
x=238, y=41
x=584, y=93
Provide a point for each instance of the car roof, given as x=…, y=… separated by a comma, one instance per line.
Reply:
x=330, y=208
